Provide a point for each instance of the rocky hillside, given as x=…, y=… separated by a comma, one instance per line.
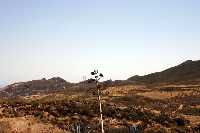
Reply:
x=187, y=72
x=35, y=87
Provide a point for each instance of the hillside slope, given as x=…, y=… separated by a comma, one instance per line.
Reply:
x=35, y=87
x=186, y=72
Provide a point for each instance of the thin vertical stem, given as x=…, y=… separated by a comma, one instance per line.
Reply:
x=100, y=108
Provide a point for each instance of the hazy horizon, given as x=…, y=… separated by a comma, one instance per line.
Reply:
x=68, y=39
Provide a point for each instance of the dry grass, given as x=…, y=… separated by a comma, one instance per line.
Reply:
x=26, y=125
x=195, y=120
x=165, y=95
x=124, y=90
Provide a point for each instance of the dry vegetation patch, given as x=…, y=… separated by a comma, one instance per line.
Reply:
x=155, y=94
x=26, y=125
x=124, y=90
x=195, y=120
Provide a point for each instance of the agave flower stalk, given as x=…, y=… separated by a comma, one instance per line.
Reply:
x=97, y=77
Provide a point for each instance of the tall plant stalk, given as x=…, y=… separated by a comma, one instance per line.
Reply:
x=97, y=77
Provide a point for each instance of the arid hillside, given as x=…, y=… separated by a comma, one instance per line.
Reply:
x=164, y=102
x=188, y=72
x=35, y=87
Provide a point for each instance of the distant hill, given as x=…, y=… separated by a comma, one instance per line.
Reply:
x=35, y=87
x=187, y=72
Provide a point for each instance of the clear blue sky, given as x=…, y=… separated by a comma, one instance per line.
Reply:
x=69, y=38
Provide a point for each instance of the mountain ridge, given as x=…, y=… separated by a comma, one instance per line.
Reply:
x=35, y=87
x=187, y=72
